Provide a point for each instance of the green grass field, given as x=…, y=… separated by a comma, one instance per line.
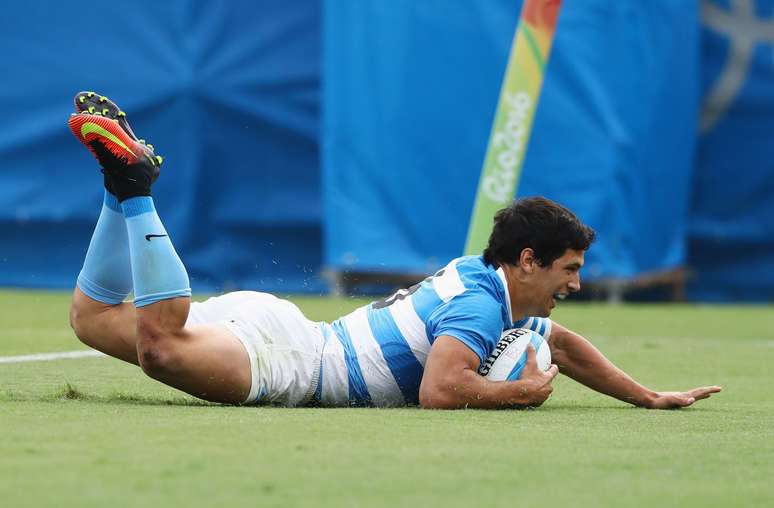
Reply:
x=95, y=432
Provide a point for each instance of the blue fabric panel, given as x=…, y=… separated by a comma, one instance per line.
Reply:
x=732, y=216
x=614, y=134
x=227, y=91
x=409, y=97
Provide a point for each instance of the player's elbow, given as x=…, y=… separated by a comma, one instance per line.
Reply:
x=435, y=395
x=436, y=400
x=557, y=344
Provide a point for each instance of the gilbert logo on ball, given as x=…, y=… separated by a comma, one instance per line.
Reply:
x=507, y=360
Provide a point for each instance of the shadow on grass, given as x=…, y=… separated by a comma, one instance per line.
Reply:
x=70, y=392
x=570, y=407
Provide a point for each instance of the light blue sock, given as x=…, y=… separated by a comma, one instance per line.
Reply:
x=106, y=275
x=157, y=271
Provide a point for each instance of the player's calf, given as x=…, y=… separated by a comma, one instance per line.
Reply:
x=81, y=316
x=84, y=317
x=106, y=328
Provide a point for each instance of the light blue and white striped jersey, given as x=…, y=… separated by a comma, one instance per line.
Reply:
x=376, y=355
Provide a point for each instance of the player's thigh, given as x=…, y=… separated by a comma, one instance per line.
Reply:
x=279, y=320
x=285, y=348
x=294, y=347
x=214, y=348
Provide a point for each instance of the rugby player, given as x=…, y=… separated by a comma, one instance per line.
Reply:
x=422, y=345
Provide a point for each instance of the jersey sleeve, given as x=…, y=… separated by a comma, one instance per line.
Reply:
x=473, y=318
x=540, y=325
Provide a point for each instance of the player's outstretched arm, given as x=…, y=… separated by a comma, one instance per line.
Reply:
x=580, y=360
x=451, y=381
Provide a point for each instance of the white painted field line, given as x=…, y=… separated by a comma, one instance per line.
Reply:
x=47, y=357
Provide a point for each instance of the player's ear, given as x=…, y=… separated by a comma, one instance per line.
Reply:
x=527, y=260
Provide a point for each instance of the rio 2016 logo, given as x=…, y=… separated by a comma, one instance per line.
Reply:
x=508, y=148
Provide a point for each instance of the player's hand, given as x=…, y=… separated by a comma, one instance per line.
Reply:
x=674, y=400
x=537, y=383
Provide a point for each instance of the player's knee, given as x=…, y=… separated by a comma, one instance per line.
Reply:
x=79, y=321
x=158, y=359
x=156, y=349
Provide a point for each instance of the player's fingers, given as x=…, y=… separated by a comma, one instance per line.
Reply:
x=700, y=395
x=676, y=401
x=552, y=371
x=704, y=392
x=531, y=357
x=542, y=395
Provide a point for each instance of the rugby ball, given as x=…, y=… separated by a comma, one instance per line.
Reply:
x=509, y=355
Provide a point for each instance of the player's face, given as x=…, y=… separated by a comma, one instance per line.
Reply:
x=557, y=281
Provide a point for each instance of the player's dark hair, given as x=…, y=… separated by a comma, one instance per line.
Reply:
x=544, y=226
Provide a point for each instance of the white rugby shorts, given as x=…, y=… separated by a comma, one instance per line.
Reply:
x=285, y=347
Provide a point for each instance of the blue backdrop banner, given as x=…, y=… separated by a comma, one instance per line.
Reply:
x=732, y=216
x=228, y=93
x=653, y=125
x=409, y=98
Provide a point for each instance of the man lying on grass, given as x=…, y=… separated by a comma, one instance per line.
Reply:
x=422, y=345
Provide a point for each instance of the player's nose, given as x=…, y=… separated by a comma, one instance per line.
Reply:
x=574, y=284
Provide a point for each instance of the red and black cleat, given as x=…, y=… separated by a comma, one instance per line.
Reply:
x=96, y=104
x=129, y=164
